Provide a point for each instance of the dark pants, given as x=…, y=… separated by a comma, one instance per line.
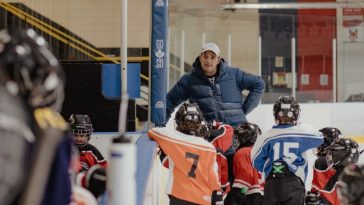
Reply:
x=230, y=159
x=175, y=201
x=284, y=191
x=253, y=199
x=250, y=199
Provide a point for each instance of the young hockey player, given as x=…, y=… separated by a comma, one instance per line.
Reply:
x=350, y=185
x=81, y=128
x=92, y=174
x=192, y=160
x=247, y=188
x=344, y=151
x=280, y=154
x=221, y=136
x=321, y=171
x=35, y=149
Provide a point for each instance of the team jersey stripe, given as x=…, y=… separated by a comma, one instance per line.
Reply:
x=239, y=181
x=189, y=144
x=225, y=185
x=253, y=191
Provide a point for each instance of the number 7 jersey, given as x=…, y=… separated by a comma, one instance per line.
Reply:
x=286, y=143
x=192, y=165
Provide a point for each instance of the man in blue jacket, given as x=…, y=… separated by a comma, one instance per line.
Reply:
x=217, y=88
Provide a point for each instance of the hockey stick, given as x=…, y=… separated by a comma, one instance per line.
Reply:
x=46, y=144
x=123, y=113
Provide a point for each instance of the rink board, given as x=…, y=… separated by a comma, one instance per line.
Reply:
x=345, y=116
x=145, y=162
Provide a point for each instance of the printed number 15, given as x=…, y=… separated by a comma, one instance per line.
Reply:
x=286, y=150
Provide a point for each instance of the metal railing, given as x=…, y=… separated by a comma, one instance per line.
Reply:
x=65, y=38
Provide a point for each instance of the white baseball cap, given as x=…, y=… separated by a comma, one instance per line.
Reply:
x=211, y=47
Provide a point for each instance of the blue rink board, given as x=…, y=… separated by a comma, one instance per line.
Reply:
x=145, y=155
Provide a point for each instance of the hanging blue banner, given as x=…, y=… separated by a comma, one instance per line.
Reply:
x=159, y=61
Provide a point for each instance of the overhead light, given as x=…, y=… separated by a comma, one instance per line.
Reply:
x=292, y=5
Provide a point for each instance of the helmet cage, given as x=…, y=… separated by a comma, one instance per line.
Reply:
x=86, y=132
x=331, y=136
x=345, y=151
x=80, y=125
x=77, y=132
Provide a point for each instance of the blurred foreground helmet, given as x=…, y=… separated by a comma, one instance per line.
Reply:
x=331, y=135
x=189, y=120
x=81, y=128
x=343, y=152
x=286, y=110
x=247, y=134
x=351, y=185
x=29, y=69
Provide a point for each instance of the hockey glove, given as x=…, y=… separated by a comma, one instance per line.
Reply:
x=217, y=198
x=312, y=198
x=96, y=180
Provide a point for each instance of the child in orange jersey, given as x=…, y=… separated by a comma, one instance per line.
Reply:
x=192, y=160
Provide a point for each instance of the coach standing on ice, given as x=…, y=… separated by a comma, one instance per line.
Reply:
x=217, y=88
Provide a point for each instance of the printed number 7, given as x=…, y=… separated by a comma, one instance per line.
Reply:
x=195, y=157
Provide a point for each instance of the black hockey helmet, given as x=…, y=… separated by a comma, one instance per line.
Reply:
x=189, y=120
x=247, y=133
x=343, y=152
x=286, y=110
x=331, y=135
x=350, y=185
x=29, y=69
x=80, y=125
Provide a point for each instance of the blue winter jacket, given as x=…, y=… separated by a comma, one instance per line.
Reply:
x=222, y=101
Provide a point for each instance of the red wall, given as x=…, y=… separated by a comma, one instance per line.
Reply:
x=315, y=30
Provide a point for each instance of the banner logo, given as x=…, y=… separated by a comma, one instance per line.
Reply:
x=159, y=3
x=159, y=104
x=159, y=54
